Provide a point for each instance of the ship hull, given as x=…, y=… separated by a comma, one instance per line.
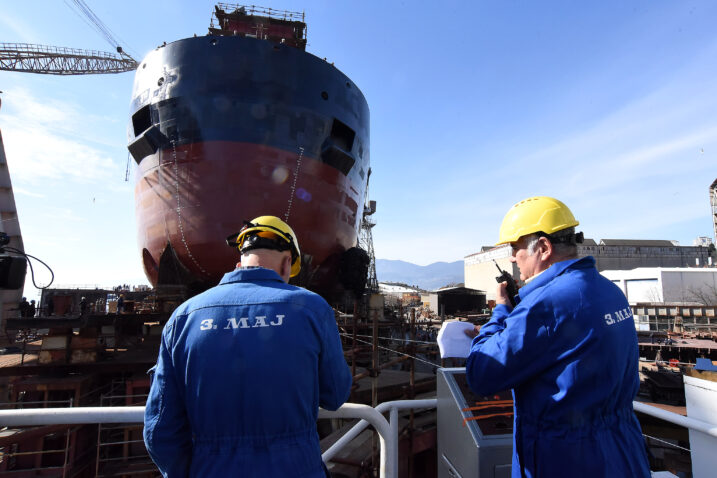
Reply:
x=225, y=129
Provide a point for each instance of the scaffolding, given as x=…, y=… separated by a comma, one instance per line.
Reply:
x=120, y=446
x=52, y=450
x=366, y=239
x=102, y=450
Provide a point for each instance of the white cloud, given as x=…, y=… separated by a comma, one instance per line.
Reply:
x=25, y=192
x=64, y=215
x=15, y=30
x=44, y=140
x=37, y=155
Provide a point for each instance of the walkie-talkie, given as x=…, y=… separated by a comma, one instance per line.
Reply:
x=512, y=288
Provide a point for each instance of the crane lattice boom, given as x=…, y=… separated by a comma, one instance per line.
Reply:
x=52, y=60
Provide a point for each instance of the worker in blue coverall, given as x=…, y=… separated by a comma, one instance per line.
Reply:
x=244, y=367
x=568, y=349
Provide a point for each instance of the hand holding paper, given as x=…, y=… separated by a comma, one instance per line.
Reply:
x=453, y=341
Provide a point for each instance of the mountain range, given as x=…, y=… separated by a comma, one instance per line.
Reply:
x=430, y=277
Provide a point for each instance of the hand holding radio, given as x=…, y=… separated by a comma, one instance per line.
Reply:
x=511, y=288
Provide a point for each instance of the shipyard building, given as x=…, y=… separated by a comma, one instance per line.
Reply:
x=454, y=300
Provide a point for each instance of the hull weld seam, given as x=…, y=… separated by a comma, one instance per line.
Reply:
x=293, y=185
x=179, y=208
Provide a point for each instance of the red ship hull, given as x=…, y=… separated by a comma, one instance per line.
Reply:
x=193, y=196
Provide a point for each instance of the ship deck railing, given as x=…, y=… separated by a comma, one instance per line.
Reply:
x=386, y=429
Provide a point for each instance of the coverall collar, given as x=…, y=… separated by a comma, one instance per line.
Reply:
x=553, y=271
x=241, y=274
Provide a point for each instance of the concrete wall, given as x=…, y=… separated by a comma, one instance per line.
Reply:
x=433, y=303
x=691, y=285
x=631, y=257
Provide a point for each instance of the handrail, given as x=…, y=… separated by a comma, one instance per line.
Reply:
x=392, y=408
x=89, y=415
x=70, y=416
x=387, y=430
x=675, y=418
x=389, y=448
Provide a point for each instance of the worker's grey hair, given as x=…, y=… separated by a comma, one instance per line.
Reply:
x=532, y=243
x=562, y=249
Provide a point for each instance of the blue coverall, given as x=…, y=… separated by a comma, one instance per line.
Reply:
x=569, y=352
x=241, y=373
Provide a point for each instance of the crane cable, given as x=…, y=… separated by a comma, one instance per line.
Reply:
x=96, y=23
x=90, y=18
x=349, y=336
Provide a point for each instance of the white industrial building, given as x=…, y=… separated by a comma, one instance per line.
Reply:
x=686, y=285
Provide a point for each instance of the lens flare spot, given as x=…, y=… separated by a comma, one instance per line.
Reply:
x=279, y=175
x=303, y=194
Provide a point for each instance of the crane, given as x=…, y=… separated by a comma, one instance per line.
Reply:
x=53, y=60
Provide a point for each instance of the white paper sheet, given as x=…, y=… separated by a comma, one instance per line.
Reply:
x=452, y=340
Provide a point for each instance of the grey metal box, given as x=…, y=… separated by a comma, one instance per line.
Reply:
x=472, y=443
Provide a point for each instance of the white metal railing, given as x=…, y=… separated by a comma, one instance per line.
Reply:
x=677, y=419
x=391, y=438
x=387, y=430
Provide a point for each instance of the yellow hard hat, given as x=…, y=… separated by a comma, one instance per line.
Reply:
x=536, y=214
x=268, y=232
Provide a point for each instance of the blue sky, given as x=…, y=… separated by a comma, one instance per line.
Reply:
x=608, y=106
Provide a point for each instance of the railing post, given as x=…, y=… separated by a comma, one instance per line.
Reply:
x=388, y=450
x=393, y=426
